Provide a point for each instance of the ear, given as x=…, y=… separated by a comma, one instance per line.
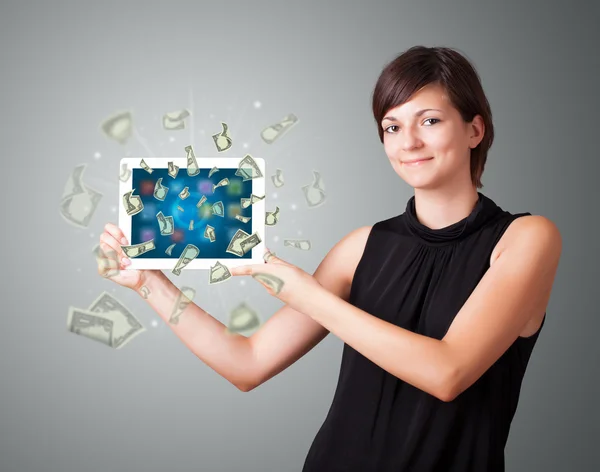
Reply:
x=478, y=131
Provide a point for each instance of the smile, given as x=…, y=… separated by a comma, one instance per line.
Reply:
x=417, y=163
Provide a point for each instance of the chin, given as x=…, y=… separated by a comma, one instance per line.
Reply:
x=421, y=183
x=428, y=179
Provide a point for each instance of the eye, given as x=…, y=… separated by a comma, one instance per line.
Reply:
x=386, y=130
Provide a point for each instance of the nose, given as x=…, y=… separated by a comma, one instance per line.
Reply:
x=410, y=140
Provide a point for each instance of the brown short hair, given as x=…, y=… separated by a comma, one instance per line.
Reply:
x=420, y=66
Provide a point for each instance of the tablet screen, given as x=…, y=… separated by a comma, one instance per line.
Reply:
x=145, y=225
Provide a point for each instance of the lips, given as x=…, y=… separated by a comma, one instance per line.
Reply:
x=417, y=160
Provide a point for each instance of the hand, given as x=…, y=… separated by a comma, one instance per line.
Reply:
x=281, y=279
x=112, y=261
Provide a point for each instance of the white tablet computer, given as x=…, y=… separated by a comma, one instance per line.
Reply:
x=214, y=205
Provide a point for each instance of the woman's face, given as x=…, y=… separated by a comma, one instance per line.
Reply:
x=440, y=134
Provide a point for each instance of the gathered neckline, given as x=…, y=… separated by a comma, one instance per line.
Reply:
x=484, y=211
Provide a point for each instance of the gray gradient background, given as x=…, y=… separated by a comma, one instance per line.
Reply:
x=69, y=404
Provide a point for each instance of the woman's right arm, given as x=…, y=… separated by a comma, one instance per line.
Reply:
x=247, y=362
x=225, y=352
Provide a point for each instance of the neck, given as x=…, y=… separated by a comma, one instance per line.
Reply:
x=438, y=209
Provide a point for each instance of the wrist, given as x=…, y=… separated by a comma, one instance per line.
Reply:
x=309, y=304
x=149, y=279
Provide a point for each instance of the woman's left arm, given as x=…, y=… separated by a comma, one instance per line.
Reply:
x=517, y=286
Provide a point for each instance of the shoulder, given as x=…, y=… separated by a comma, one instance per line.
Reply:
x=534, y=227
x=336, y=270
x=353, y=244
x=360, y=234
x=534, y=231
x=358, y=238
x=349, y=250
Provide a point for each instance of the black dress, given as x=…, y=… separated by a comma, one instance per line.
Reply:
x=419, y=278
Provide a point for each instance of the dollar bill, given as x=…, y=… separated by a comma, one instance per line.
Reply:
x=278, y=178
x=74, y=185
x=78, y=209
x=170, y=249
x=175, y=120
x=145, y=166
x=132, y=203
x=222, y=183
x=242, y=319
x=184, y=298
x=242, y=242
x=270, y=280
x=218, y=209
x=125, y=173
x=303, y=244
x=202, y=200
x=125, y=325
x=235, y=246
x=318, y=180
x=243, y=219
x=222, y=140
x=246, y=202
x=145, y=291
x=78, y=202
x=160, y=191
x=248, y=169
x=252, y=241
x=106, y=320
x=275, y=131
x=209, y=233
x=118, y=126
x=191, y=226
x=272, y=217
x=218, y=273
x=136, y=250
x=189, y=253
x=179, y=208
x=173, y=170
x=184, y=193
x=90, y=325
x=165, y=224
x=212, y=171
x=314, y=193
x=192, y=164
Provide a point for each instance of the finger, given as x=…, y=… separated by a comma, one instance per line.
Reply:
x=109, y=252
x=116, y=233
x=241, y=270
x=269, y=256
x=110, y=241
x=267, y=286
x=107, y=267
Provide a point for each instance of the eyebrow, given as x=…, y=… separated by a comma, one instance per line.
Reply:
x=418, y=113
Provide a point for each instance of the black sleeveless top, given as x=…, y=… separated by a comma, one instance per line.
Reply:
x=418, y=278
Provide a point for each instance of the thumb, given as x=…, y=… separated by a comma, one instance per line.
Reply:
x=270, y=257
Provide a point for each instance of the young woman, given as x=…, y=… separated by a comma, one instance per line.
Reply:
x=439, y=307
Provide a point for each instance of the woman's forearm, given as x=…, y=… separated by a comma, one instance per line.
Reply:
x=228, y=354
